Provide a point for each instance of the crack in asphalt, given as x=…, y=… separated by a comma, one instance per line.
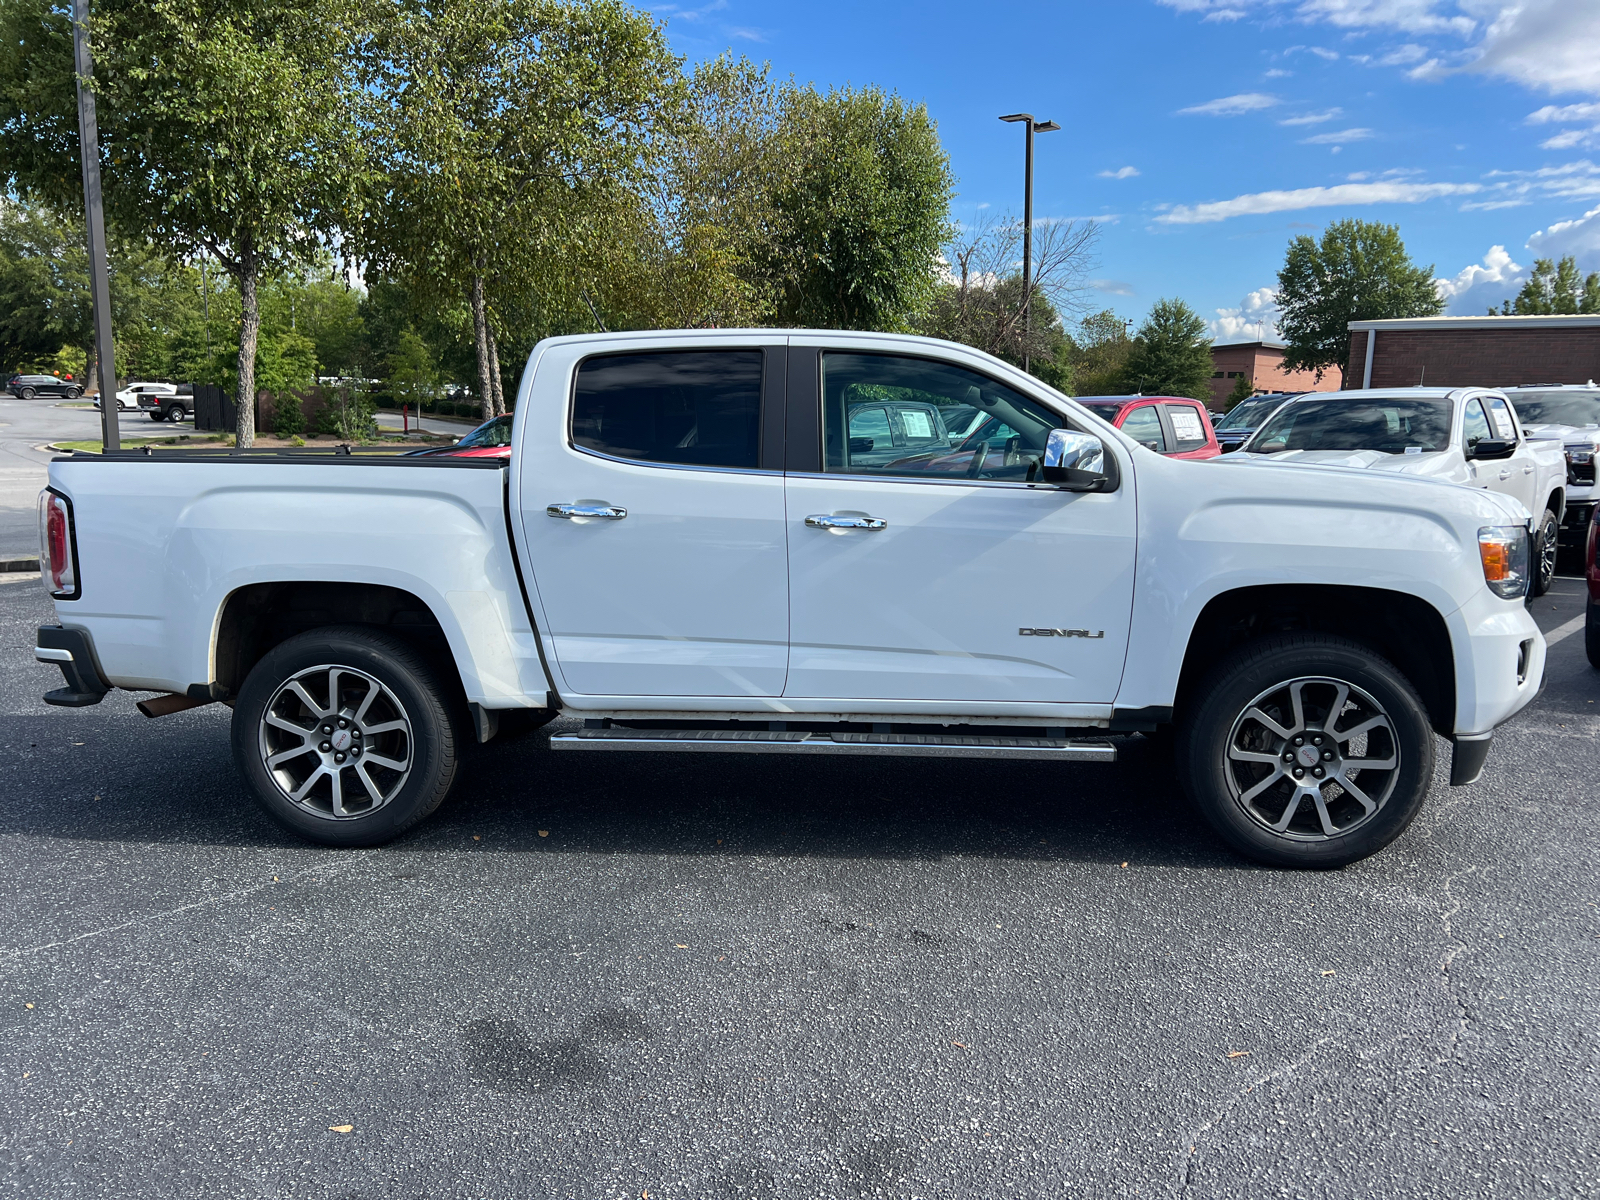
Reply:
x=1455, y=949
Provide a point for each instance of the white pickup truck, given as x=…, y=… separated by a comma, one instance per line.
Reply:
x=697, y=546
x=1469, y=436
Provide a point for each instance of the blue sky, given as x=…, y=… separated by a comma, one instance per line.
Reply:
x=1204, y=134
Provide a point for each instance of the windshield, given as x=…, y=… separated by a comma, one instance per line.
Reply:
x=1391, y=424
x=1557, y=408
x=1247, y=414
x=491, y=433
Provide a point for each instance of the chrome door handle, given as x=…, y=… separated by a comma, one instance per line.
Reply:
x=601, y=512
x=827, y=521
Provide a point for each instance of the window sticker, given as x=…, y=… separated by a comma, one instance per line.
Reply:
x=1186, y=424
x=916, y=423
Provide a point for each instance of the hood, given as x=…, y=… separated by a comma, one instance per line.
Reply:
x=1580, y=435
x=1372, y=460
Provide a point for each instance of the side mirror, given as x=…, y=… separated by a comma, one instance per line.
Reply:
x=860, y=445
x=1492, y=448
x=1077, y=462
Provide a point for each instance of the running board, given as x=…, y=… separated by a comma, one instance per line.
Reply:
x=759, y=741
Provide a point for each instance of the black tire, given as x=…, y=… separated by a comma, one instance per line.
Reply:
x=1545, y=550
x=156, y=415
x=1216, y=725
x=26, y=393
x=408, y=694
x=1591, y=633
x=173, y=413
x=73, y=393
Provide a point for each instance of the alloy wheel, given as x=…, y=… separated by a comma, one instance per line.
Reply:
x=1312, y=758
x=336, y=741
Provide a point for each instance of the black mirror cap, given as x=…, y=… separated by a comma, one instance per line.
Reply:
x=1070, y=479
x=1493, y=448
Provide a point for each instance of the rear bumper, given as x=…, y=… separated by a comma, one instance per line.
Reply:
x=73, y=652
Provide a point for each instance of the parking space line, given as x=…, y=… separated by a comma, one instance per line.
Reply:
x=1562, y=632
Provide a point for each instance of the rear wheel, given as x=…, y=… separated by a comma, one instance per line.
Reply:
x=175, y=413
x=1307, y=751
x=344, y=736
x=1545, y=549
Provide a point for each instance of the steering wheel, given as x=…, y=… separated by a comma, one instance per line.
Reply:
x=979, y=456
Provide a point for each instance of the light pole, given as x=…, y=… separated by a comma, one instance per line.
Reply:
x=1030, y=127
x=94, y=222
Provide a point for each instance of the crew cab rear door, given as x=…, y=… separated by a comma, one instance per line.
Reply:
x=651, y=493
x=949, y=577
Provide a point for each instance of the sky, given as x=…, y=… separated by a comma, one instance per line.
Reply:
x=1203, y=135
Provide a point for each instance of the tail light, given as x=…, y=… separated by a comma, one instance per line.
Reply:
x=58, y=556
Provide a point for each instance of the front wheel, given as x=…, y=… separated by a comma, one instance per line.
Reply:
x=26, y=393
x=1307, y=751
x=344, y=737
x=1545, y=549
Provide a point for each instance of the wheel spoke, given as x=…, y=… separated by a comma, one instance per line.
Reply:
x=1260, y=756
x=1341, y=696
x=1262, y=786
x=278, y=722
x=299, y=793
x=284, y=756
x=385, y=727
x=372, y=694
x=1370, y=723
x=1328, y=827
x=333, y=690
x=1290, y=811
x=336, y=777
x=1368, y=805
x=366, y=782
x=1371, y=764
x=1297, y=698
x=380, y=760
x=305, y=698
x=1256, y=714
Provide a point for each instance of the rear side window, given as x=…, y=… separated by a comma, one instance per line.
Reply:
x=1187, y=427
x=697, y=408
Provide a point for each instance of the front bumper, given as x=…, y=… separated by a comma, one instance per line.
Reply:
x=1574, y=530
x=73, y=652
x=1500, y=659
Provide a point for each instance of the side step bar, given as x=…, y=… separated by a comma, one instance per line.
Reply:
x=758, y=741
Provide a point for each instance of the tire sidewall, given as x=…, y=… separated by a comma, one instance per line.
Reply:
x=1549, y=531
x=1230, y=689
x=399, y=669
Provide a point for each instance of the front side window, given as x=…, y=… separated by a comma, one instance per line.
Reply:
x=1475, y=426
x=698, y=408
x=1500, y=414
x=1187, y=427
x=920, y=402
x=1143, y=425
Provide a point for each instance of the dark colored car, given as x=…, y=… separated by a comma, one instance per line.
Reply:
x=1172, y=425
x=1591, y=612
x=26, y=387
x=890, y=431
x=492, y=439
x=1247, y=416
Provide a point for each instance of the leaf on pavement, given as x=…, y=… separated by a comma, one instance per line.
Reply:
x=341, y=1128
x=1240, y=1053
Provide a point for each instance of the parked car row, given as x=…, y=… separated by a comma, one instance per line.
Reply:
x=26, y=387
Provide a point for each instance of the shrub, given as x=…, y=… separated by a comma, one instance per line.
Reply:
x=347, y=416
x=444, y=408
x=288, y=418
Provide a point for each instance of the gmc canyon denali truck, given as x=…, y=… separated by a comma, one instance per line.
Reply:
x=690, y=549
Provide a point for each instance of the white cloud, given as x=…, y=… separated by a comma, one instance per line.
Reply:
x=1112, y=287
x=1404, y=55
x=1579, y=237
x=1255, y=319
x=1343, y=138
x=1324, y=53
x=1474, y=288
x=1278, y=73
x=1316, y=118
x=1120, y=173
x=1568, y=138
x=1225, y=14
x=1578, y=180
x=1560, y=114
x=1343, y=194
x=1232, y=106
x=1492, y=205
x=1544, y=44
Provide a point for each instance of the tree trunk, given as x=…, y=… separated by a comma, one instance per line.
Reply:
x=494, y=377
x=480, y=337
x=249, y=332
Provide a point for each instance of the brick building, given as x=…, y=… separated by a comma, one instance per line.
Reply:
x=1474, y=351
x=1262, y=364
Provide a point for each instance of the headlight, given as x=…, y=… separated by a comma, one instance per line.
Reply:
x=1504, y=552
x=1580, y=454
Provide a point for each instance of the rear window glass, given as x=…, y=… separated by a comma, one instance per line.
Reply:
x=699, y=408
x=1187, y=427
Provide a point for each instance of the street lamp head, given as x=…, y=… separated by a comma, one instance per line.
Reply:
x=1018, y=117
x=1045, y=127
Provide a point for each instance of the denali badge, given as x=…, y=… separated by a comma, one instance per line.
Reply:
x=1083, y=633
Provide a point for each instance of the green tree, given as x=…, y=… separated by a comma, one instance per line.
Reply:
x=1359, y=271
x=412, y=375
x=1099, y=354
x=1241, y=390
x=226, y=125
x=1171, y=353
x=1555, y=288
x=866, y=209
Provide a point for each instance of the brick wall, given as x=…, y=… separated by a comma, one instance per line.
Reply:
x=1477, y=357
x=1264, y=367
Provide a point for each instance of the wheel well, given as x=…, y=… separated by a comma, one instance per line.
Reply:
x=259, y=617
x=1557, y=502
x=1405, y=629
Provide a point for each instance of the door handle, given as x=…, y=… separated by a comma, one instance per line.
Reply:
x=600, y=512
x=828, y=521
x=1528, y=470
x=1505, y=474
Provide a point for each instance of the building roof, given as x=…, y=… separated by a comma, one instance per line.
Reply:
x=1580, y=321
x=1264, y=345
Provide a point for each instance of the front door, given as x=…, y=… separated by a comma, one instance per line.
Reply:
x=951, y=576
x=655, y=530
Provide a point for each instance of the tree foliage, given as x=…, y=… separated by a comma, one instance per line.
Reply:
x=1359, y=271
x=1100, y=351
x=1171, y=353
x=1241, y=391
x=1555, y=288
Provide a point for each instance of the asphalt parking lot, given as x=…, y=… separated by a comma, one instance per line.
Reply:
x=620, y=975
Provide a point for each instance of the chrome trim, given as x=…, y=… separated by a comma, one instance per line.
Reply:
x=1074, y=450
x=640, y=462
x=598, y=512
x=756, y=741
x=828, y=521
x=51, y=654
x=949, y=481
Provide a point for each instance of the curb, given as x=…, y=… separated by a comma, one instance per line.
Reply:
x=8, y=565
